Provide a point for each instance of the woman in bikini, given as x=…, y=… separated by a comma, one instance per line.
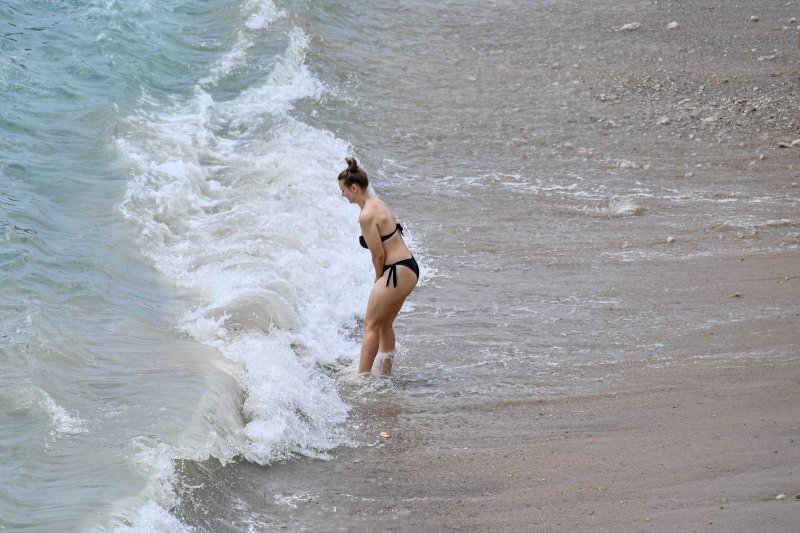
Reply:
x=396, y=271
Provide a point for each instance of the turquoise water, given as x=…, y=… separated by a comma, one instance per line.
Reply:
x=152, y=302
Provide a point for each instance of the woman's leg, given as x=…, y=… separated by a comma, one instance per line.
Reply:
x=386, y=337
x=385, y=362
x=386, y=343
x=382, y=307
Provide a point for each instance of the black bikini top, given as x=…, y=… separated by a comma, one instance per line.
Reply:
x=383, y=237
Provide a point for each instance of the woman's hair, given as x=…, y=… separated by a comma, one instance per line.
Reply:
x=354, y=174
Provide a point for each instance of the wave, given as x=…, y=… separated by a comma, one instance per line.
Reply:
x=237, y=206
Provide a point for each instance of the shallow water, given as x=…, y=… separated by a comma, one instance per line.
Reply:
x=559, y=222
x=558, y=238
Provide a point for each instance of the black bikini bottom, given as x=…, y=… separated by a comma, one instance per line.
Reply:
x=410, y=263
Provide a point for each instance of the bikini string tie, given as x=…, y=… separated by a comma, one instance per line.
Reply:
x=392, y=275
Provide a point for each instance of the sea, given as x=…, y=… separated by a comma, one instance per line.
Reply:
x=182, y=285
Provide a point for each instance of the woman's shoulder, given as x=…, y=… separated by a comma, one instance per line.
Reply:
x=376, y=208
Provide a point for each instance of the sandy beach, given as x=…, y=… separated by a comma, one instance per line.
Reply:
x=700, y=434
x=709, y=446
x=603, y=198
x=699, y=444
x=683, y=449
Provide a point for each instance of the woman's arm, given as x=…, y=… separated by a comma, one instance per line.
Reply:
x=369, y=229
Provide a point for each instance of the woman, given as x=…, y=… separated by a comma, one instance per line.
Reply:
x=396, y=271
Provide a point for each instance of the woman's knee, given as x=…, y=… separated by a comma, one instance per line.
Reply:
x=372, y=325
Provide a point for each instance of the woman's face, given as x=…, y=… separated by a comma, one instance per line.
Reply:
x=348, y=192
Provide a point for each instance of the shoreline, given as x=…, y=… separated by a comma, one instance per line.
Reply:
x=700, y=432
x=703, y=445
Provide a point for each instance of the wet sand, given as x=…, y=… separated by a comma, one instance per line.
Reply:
x=708, y=446
x=678, y=449
x=703, y=443
x=702, y=433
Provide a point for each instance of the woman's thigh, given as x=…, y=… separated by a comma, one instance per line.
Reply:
x=385, y=302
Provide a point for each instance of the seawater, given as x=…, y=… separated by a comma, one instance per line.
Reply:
x=178, y=267
x=182, y=285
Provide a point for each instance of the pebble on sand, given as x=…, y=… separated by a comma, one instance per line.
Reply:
x=754, y=18
x=385, y=434
x=629, y=27
x=672, y=25
x=780, y=497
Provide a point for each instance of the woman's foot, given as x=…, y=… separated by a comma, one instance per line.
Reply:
x=385, y=362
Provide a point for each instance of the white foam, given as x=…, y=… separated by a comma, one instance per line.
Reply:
x=157, y=459
x=238, y=205
x=259, y=15
x=290, y=407
x=149, y=518
x=293, y=499
x=616, y=207
x=623, y=207
x=64, y=422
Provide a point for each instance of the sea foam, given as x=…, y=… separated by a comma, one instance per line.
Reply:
x=237, y=205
